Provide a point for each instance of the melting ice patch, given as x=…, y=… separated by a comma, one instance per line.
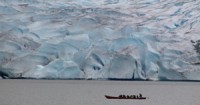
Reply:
x=100, y=39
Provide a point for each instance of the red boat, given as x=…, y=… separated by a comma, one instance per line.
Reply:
x=126, y=97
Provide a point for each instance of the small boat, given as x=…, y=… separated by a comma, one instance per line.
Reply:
x=135, y=98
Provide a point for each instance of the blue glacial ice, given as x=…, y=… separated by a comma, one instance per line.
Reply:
x=100, y=39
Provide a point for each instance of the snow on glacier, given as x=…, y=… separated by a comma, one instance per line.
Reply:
x=100, y=39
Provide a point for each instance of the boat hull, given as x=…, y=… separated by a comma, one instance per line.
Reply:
x=112, y=97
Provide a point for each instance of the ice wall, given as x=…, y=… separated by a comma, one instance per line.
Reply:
x=100, y=39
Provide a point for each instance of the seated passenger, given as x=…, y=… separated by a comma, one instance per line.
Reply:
x=120, y=96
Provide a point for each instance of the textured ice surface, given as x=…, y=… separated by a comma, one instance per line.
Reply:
x=100, y=39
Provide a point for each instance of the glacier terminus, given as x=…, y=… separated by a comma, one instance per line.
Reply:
x=100, y=39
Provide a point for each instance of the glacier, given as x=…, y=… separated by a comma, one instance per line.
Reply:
x=100, y=39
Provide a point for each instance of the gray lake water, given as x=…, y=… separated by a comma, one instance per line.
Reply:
x=70, y=92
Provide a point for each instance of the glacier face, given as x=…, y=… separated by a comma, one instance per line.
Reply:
x=100, y=39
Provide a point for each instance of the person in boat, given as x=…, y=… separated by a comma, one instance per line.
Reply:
x=134, y=96
x=137, y=97
x=140, y=95
x=131, y=96
x=127, y=96
x=120, y=96
x=124, y=96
